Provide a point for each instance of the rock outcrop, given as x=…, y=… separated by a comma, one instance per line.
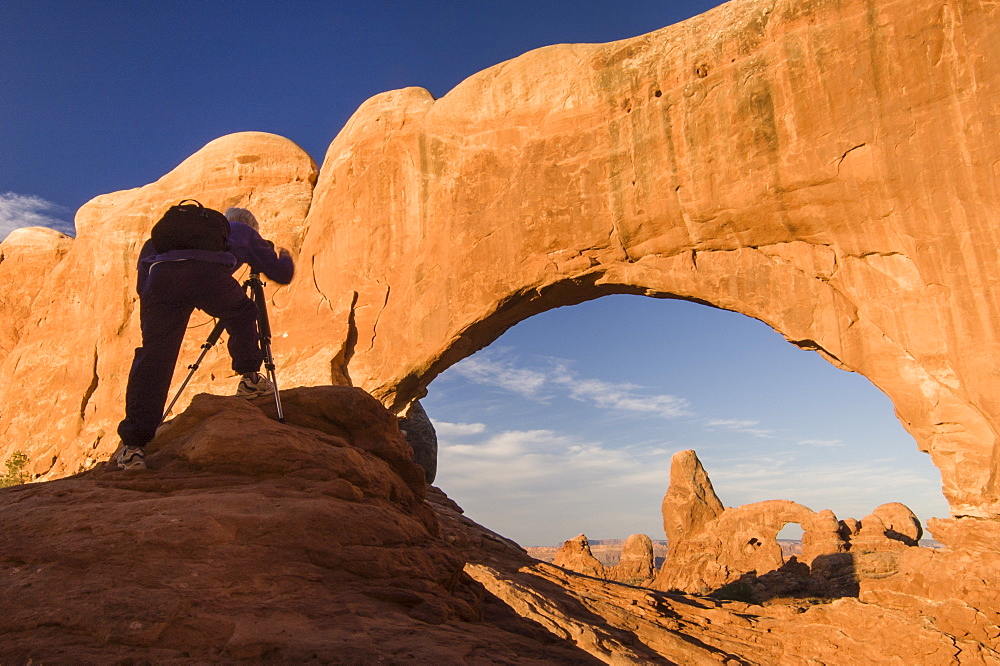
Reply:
x=316, y=541
x=250, y=540
x=740, y=544
x=637, y=564
x=420, y=435
x=575, y=555
x=26, y=257
x=877, y=559
x=690, y=502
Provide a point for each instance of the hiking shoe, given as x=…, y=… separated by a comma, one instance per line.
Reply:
x=254, y=385
x=132, y=457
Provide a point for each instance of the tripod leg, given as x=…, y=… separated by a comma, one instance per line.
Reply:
x=264, y=331
x=213, y=338
x=269, y=365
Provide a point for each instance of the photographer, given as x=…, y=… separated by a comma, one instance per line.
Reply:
x=188, y=263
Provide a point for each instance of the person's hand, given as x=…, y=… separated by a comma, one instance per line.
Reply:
x=284, y=252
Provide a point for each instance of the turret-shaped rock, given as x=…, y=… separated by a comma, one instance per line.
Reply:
x=711, y=546
x=690, y=502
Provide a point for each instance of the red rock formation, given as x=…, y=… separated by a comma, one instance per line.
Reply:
x=690, y=502
x=754, y=158
x=316, y=541
x=878, y=559
x=899, y=522
x=723, y=544
x=636, y=566
x=26, y=257
x=739, y=544
x=575, y=555
x=954, y=588
x=249, y=540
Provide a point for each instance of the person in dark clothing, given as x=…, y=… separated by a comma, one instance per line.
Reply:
x=170, y=286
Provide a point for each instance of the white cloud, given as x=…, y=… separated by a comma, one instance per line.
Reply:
x=491, y=368
x=821, y=442
x=622, y=396
x=20, y=210
x=732, y=424
x=444, y=429
x=740, y=426
x=542, y=486
x=486, y=368
x=519, y=459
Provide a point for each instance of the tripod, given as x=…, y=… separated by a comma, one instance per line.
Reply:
x=256, y=288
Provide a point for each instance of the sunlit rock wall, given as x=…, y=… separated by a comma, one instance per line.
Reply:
x=828, y=167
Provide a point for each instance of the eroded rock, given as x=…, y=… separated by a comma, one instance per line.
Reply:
x=317, y=540
x=636, y=566
x=739, y=545
x=250, y=540
x=419, y=432
x=575, y=555
x=62, y=386
x=27, y=255
x=690, y=503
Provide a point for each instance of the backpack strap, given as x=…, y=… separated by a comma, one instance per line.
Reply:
x=194, y=202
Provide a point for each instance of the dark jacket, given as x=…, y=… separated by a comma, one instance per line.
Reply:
x=246, y=246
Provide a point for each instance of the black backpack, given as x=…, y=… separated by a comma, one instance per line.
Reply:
x=191, y=226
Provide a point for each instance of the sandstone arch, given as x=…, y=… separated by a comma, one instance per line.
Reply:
x=711, y=545
x=754, y=158
x=826, y=166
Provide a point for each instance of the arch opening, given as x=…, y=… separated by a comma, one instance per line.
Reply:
x=566, y=422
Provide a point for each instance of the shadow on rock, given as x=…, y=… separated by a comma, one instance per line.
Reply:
x=248, y=539
x=830, y=577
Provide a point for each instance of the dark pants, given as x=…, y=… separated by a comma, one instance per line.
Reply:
x=174, y=289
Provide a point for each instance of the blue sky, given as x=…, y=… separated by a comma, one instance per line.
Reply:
x=564, y=425
x=567, y=423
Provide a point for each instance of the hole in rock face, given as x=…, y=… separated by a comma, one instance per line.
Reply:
x=567, y=423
